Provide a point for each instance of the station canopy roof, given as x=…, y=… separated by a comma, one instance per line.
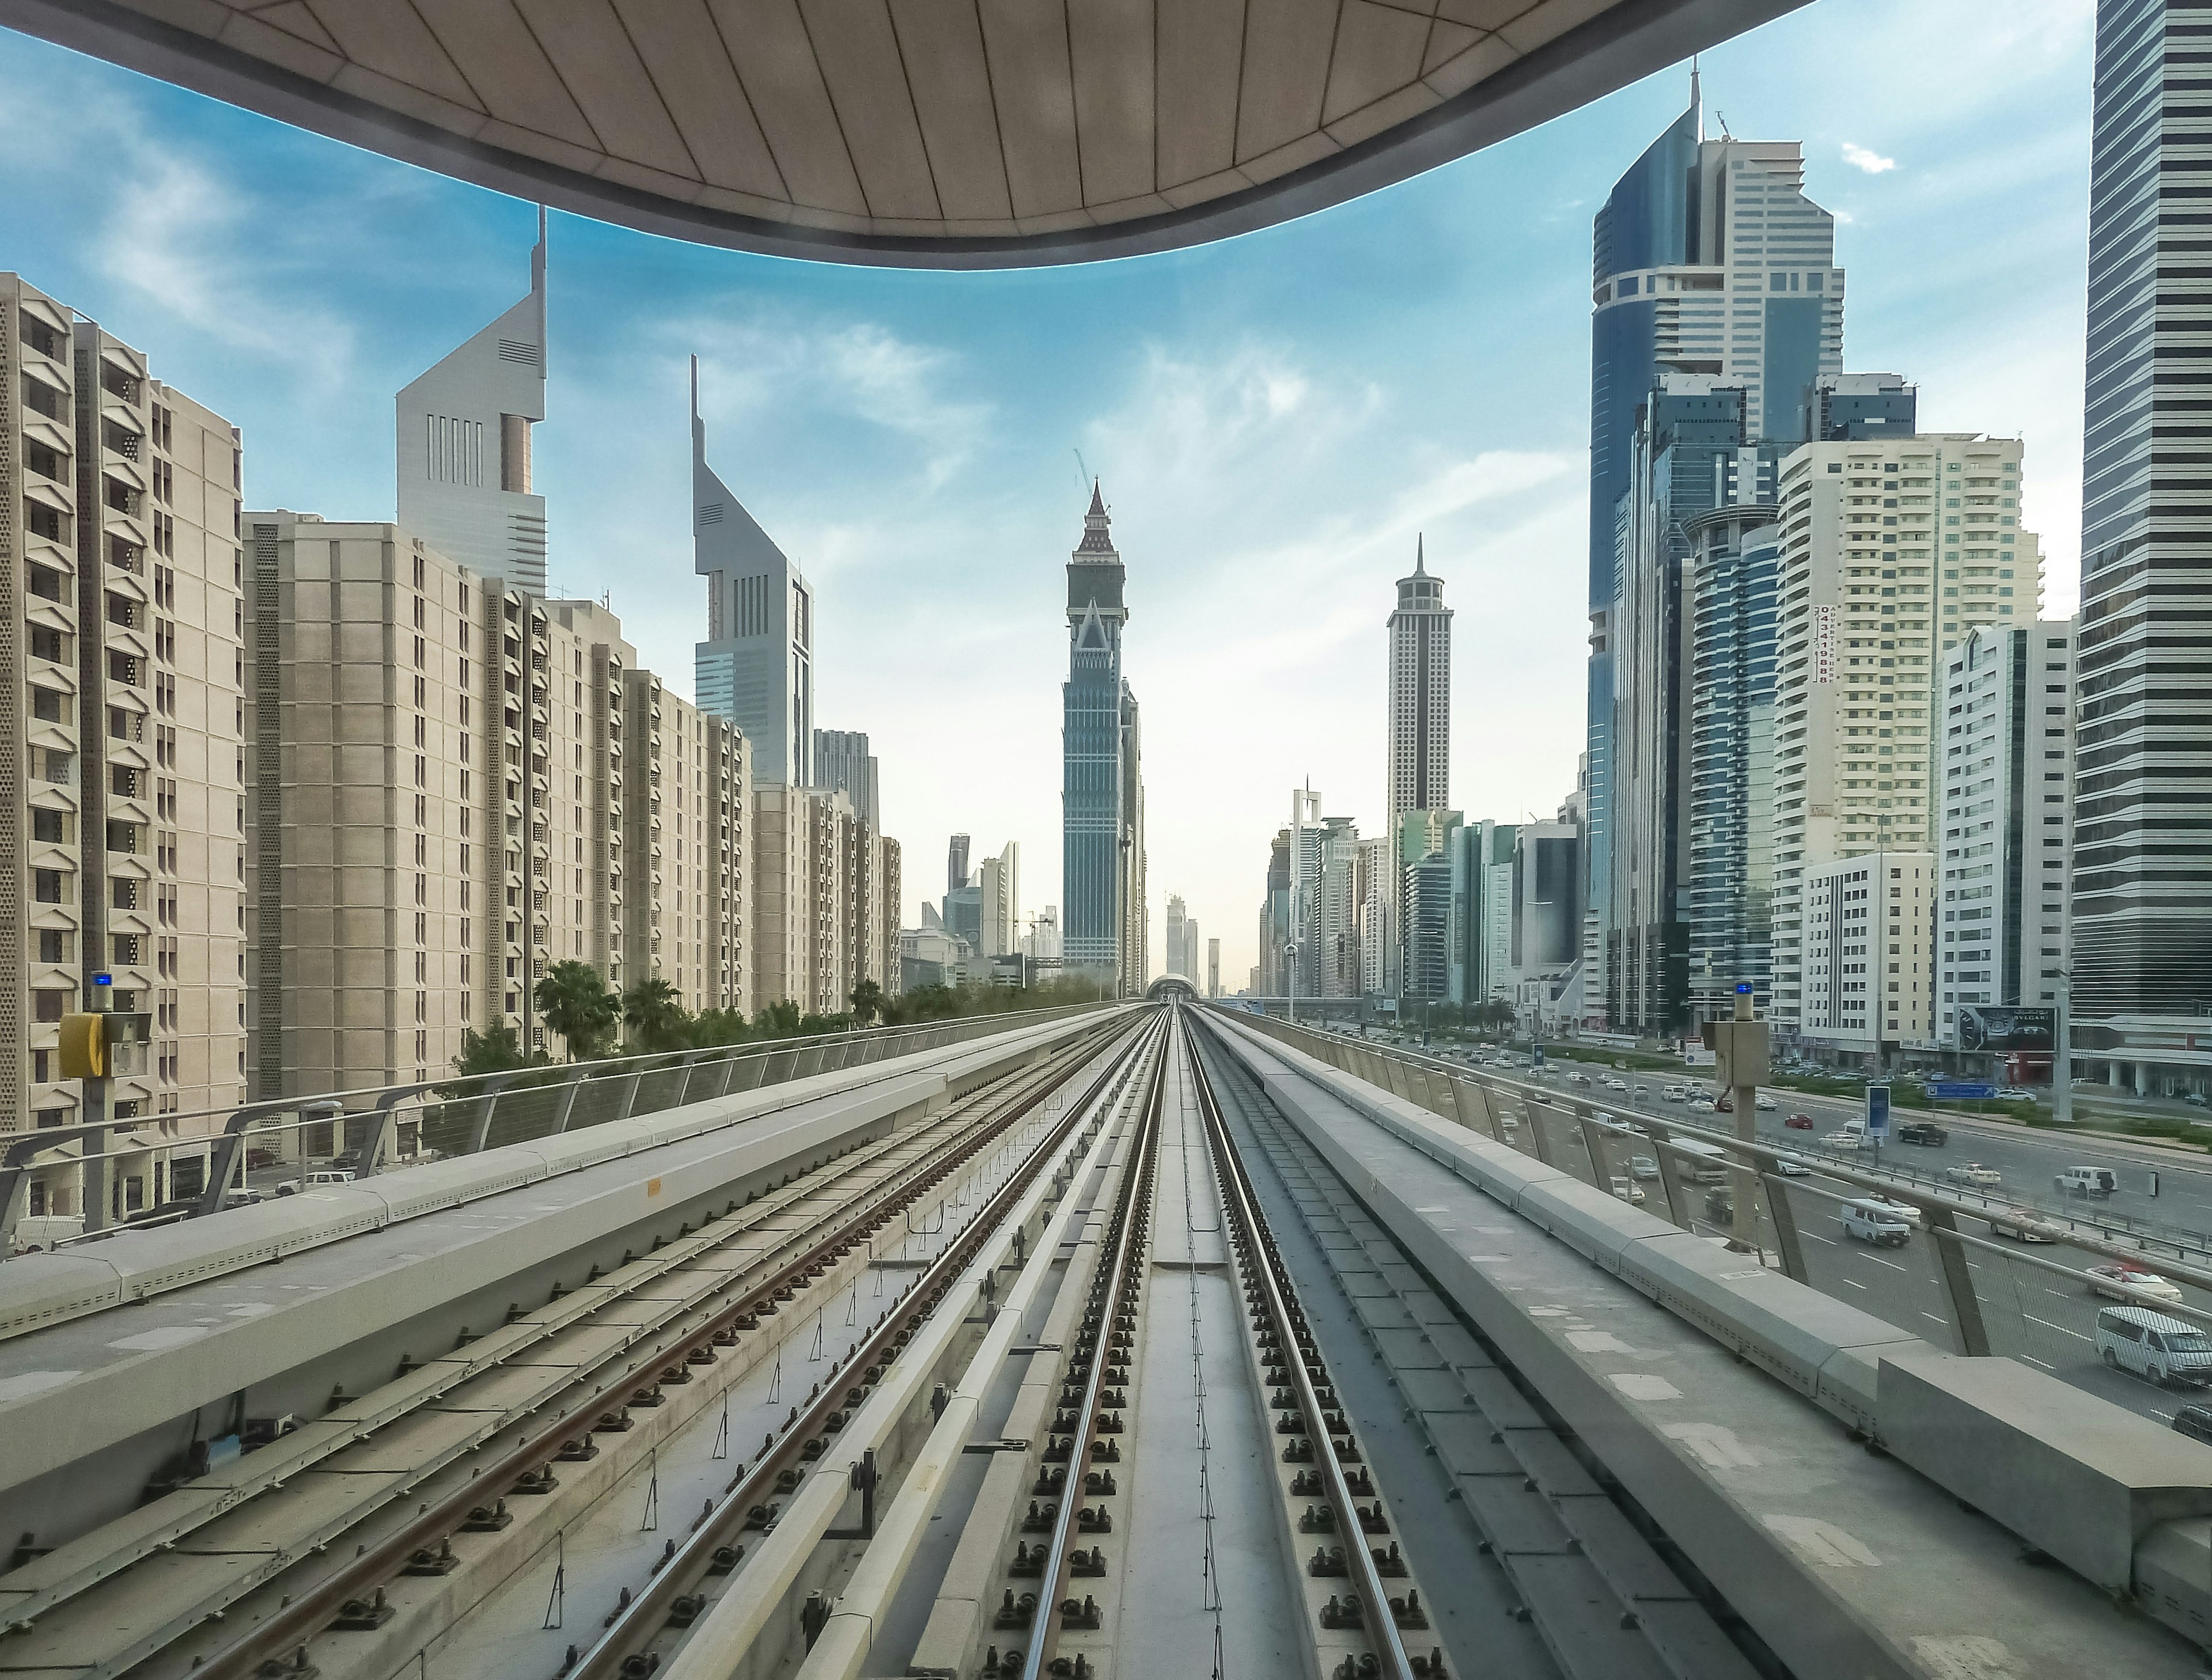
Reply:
x=920, y=133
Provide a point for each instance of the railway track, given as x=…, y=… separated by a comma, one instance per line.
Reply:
x=1099, y=1372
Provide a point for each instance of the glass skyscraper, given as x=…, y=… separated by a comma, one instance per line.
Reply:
x=2142, y=881
x=1707, y=258
x=1102, y=795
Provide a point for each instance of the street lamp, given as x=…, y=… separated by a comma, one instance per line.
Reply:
x=2061, y=1060
x=1291, y=969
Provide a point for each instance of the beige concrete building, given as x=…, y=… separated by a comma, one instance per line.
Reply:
x=1868, y=962
x=119, y=640
x=689, y=835
x=367, y=871
x=826, y=895
x=1892, y=550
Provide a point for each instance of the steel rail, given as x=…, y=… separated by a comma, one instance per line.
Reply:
x=635, y=1627
x=310, y=1611
x=95, y=1573
x=1265, y=1267
x=1111, y=1286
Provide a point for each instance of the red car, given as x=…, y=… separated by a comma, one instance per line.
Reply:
x=1799, y=1123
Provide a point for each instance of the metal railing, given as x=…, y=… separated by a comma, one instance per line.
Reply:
x=1987, y=1296
x=375, y=1130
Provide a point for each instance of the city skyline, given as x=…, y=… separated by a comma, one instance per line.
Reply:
x=1175, y=401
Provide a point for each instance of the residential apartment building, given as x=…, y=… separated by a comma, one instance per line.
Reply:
x=825, y=901
x=120, y=624
x=1892, y=550
x=688, y=914
x=2142, y=844
x=1869, y=985
x=2008, y=793
x=373, y=867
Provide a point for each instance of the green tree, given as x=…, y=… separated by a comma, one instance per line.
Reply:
x=867, y=1002
x=711, y=1029
x=656, y=1018
x=778, y=1020
x=495, y=1050
x=576, y=1004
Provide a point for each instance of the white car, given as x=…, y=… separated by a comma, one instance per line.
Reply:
x=1628, y=1190
x=2104, y=1280
x=1973, y=1172
x=1643, y=1090
x=1702, y=1106
x=1790, y=1168
x=1764, y=1102
x=1616, y=1084
x=1643, y=1166
x=1851, y=1136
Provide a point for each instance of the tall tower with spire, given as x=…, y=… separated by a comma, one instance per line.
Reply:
x=1102, y=778
x=756, y=669
x=1420, y=734
x=464, y=479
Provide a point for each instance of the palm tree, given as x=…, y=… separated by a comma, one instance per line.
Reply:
x=867, y=1002
x=576, y=1005
x=655, y=1017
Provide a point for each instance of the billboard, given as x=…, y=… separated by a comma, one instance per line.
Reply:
x=2006, y=1030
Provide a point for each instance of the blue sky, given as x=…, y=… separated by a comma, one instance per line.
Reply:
x=1274, y=418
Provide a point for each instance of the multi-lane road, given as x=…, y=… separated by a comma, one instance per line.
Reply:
x=2029, y=1313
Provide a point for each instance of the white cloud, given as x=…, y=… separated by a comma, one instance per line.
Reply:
x=1859, y=157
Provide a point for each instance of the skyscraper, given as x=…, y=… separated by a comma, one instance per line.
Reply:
x=1691, y=452
x=843, y=762
x=756, y=669
x=1420, y=732
x=1177, y=918
x=955, y=863
x=2142, y=841
x=1707, y=258
x=1420, y=696
x=1102, y=784
x=464, y=478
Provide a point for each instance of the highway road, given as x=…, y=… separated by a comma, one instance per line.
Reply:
x=2029, y=1314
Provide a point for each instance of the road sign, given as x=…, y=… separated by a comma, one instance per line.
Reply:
x=1538, y=1060
x=1959, y=1090
x=1877, y=1113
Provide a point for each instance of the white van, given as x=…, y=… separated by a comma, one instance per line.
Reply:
x=38, y=1232
x=2151, y=1345
x=1699, y=1162
x=1876, y=1222
x=328, y=1177
x=2086, y=1181
x=1851, y=1135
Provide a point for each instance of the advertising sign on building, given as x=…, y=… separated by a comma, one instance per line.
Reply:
x=2007, y=1030
x=1824, y=644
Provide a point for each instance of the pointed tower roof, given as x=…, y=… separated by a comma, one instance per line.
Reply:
x=1421, y=556
x=1098, y=541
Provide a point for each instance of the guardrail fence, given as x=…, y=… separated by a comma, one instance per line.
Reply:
x=243, y=1155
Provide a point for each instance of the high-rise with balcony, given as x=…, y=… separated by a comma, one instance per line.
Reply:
x=1709, y=258
x=688, y=835
x=2143, y=840
x=120, y=618
x=756, y=669
x=465, y=487
x=1892, y=550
